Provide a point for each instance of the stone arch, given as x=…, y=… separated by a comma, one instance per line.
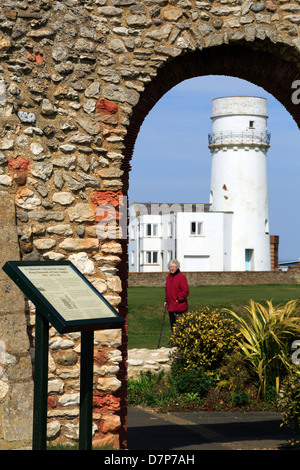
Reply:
x=259, y=63
x=274, y=68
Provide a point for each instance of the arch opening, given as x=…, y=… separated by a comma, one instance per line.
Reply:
x=264, y=68
x=231, y=64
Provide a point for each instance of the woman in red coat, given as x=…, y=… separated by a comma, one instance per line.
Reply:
x=177, y=291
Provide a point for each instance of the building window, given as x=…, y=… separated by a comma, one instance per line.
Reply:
x=132, y=234
x=170, y=229
x=151, y=230
x=132, y=258
x=151, y=257
x=196, y=228
x=251, y=124
x=267, y=226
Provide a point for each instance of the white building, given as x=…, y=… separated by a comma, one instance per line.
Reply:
x=231, y=233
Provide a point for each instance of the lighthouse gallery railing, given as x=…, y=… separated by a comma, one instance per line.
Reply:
x=237, y=137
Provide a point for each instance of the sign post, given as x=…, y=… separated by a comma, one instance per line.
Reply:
x=86, y=390
x=39, y=437
x=65, y=299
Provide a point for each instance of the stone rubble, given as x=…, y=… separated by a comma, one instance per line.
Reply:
x=152, y=360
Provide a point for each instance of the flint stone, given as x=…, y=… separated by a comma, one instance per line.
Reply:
x=110, y=11
x=82, y=212
x=83, y=163
x=128, y=72
x=42, y=170
x=36, y=148
x=69, y=163
x=70, y=399
x=5, y=180
x=2, y=93
x=84, y=45
x=48, y=108
x=169, y=51
x=22, y=215
x=90, y=181
x=107, y=260
x=53, y=429
x=7, y=144
x=63, y=198
x=258, y=7
x=4, y=388
x=111, y=338
x=120, y=94
x=76, y=244
x=60, y=343
x=72, y=182
x=138, y=20
x=53, y=255
x=89, y=106
x=93, y=90
x=44, y=216
x=114, y=283
x=64, y=67
x=83, y=263
x=44, y=244
x=66, y=358
x=64, y=230
x=26, y=117
x=67, y=148
x=81, y=138
x=80, y=230
x=41, y=33
x=108, y=384
x=160, y=34
x=89, y=126
x=28, y=200
x=3, y=158
x=59, y=53
x=117, y=46
x=122, y=31
x=108, y=75
x=58, y=180
x=293, y=18
x=111, y=247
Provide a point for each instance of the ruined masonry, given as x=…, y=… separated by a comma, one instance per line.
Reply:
x=77, y=79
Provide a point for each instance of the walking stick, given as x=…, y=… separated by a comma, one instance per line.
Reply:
x=162, y=325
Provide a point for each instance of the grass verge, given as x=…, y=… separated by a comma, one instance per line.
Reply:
x=145, y=307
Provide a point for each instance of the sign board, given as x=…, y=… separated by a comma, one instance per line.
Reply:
x=63, y=295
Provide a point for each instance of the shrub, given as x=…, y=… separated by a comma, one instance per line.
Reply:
x=265, y=337
x=193, y=382
x=240, y=399
x=203, y=338
x=151, y=389
x=289, y=400
x=233, y=373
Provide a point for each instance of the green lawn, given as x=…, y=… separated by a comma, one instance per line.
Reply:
x=145, y=305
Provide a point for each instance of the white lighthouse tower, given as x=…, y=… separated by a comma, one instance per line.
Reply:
x=239, y=142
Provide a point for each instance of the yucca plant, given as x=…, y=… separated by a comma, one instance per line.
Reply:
x=265, y=337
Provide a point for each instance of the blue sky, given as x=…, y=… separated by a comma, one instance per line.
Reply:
x=172, y=162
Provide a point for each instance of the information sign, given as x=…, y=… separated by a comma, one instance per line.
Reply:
x=69, y=302
x=62, y=293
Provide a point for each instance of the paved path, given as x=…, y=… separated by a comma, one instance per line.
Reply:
x=204, y=430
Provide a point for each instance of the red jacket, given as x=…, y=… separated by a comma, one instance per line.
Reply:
x=177, y=289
